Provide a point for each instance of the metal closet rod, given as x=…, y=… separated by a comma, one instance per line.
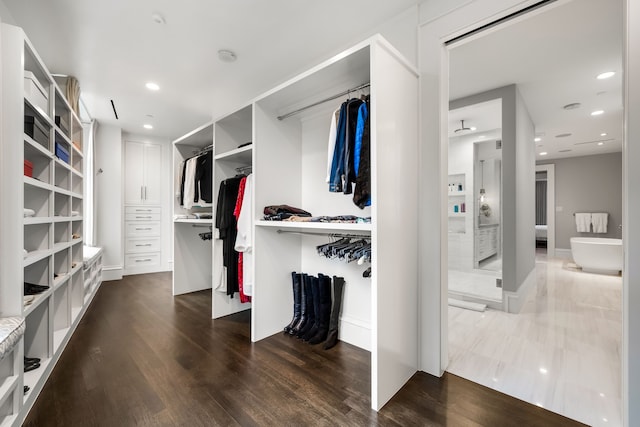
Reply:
x=331, y=98
x=311, y=233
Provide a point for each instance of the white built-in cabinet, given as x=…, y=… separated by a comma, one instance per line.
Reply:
x=143, y=213
x=143, y=173
x=289, y=161
x=45, y=248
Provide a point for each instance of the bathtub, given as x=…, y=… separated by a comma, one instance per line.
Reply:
x=597, y=255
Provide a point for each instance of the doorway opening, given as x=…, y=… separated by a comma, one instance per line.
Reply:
x=542, y=352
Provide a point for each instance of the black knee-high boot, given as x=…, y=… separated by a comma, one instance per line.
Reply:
x=332, y=336
x=311, y=307
x=296, y=279
x=324, y=288
x=303, y=305
x=313, y=330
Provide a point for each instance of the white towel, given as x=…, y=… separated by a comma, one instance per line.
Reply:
x=583, y=222
x=29, y=212
x=599, y=222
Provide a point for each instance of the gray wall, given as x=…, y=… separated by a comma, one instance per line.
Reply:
x=587, y=184
x=518, y=184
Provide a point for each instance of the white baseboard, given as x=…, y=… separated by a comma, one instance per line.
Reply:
x=355, y=332
x=514, y=301
x=113, y=272
x=564, y=254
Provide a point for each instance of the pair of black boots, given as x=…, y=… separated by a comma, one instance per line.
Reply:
x=315, y=313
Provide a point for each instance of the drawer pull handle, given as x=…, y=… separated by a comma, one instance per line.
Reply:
x=144, y=217
x=143, y=210
x=144, y=260
x=142, y=229
x=147, y=244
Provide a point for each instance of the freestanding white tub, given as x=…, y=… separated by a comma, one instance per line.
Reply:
x=597, y=255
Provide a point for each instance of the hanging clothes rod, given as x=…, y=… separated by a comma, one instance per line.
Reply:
x=204, y=150
x=335, y=235
x=331, y=98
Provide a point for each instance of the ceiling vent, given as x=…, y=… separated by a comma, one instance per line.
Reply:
x=499, y=144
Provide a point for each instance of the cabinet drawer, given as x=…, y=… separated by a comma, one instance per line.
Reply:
x=142, y=210
x=142, y=260
x=142, y=229
x=142, y=217
x=142, y=245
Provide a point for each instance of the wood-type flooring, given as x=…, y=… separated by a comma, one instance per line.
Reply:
x=141, y=357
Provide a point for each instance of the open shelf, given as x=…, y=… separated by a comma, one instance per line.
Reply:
x=240, y=155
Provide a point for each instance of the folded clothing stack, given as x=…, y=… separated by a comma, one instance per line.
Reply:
x=29, y=212
x=31, y=289
x=282, y=212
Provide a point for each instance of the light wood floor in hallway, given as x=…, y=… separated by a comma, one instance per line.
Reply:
x=141, y=357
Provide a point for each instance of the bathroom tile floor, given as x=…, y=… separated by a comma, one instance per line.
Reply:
x=562, y=352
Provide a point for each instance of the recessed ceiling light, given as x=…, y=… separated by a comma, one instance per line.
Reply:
x=563, y=135
x=227, y=55
x=605, y=75
x=148, y=126
x=600, y=143
x=572, y=106
x=597, y=112
x=473, y=128
x=603, y=134
x=537, y=139
x=544, y=153
x=543, y=370
x=152, y=86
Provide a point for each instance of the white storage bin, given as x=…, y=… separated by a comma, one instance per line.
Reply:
x=35, y=93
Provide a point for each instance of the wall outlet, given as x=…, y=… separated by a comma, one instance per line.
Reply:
x=498, y=283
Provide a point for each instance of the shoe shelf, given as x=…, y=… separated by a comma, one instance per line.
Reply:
x=36, y=256
x=60, y=280
x=37, y=184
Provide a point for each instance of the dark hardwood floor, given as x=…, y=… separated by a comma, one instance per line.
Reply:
x=142, y=357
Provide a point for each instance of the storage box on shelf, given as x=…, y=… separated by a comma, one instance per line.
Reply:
x=44, y=251
x=192, y=256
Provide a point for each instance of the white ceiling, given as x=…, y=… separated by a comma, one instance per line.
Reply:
x=114, y=47
x=553, y=56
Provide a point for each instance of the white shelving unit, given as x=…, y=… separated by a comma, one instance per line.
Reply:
x=49, y=136
x=192, y=256
x=290, y=158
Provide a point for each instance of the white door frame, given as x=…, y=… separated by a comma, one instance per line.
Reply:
x=551, y=207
